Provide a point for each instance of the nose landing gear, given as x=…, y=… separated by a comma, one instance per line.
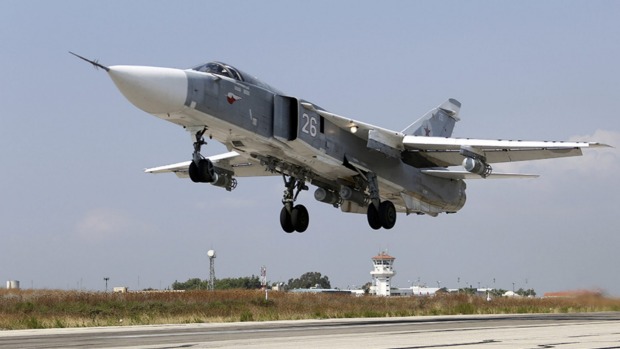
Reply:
x=201, y=170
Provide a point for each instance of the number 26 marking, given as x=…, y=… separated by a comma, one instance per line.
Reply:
x=310, y=123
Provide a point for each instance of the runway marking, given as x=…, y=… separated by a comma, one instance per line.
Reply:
x=553, y=345
x=487, y=341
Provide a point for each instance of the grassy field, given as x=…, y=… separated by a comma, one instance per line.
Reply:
x=29, y=309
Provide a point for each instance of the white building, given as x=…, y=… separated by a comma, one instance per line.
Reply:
x=382, y=274
x=423, y=291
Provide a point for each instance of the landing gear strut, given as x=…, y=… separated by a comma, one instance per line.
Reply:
x=379, y=214
x=201, y=170
x=293, y=218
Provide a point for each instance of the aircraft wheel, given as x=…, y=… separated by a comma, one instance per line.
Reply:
x=387, y=214
x=300, y=218
x=203, y=172
x=206, y=170
x=373, y=217
x=285, y=221
x=193, y=172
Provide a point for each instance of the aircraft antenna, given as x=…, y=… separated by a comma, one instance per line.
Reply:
x=95, y=62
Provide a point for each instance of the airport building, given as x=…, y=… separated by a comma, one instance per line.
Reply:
x=382, y=274
x=382, y=283
x=12, y=285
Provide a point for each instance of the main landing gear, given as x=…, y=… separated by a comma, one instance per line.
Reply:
x=201, y=170
x=380, y=214
x=293, y=218
x=382, y=217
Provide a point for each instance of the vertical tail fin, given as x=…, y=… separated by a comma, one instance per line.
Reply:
x=438, y=122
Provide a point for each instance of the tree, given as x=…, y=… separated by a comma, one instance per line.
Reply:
x=468, y=290
x=309, y=280
x=248, y=283
x=526, y=293
x=191, y=284
x=498, y=292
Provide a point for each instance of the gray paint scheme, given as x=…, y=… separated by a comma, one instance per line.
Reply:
x=438, y=122
x=274, y=116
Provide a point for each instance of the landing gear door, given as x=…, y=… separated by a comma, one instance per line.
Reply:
x=285, y=116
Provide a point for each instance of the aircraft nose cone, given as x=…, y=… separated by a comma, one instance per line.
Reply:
x=152, y=89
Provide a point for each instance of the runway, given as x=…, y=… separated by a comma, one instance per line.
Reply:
x=591, y=330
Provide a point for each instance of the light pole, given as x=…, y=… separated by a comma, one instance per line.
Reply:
x=106, y=283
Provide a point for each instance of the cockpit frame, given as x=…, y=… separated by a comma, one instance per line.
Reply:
x=223, y=69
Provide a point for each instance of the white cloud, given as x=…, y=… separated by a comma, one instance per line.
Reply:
x=103, y=224
x=601, y=161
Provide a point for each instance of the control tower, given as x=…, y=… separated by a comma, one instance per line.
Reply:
x=382, y=274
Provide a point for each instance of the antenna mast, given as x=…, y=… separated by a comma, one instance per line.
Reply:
x=211, y=254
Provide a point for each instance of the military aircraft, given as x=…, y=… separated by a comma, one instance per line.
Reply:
x=356, y=166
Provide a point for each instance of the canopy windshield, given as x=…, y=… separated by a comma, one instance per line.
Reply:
x=222, y=69
x=218, y=68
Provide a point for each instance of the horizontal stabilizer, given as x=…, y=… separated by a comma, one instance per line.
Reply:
x=449, y=174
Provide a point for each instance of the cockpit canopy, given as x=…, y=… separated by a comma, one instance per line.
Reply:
x=222, y=69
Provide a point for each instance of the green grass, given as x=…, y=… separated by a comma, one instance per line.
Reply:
x=58, y=309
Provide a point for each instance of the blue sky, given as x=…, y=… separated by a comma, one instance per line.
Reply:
x=75, y=205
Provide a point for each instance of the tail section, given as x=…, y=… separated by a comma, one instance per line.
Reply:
x=438, y=122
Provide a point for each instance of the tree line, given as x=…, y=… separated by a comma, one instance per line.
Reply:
x=306, y=280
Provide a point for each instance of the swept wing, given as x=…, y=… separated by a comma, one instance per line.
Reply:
x=447, y=151
x=433, y=154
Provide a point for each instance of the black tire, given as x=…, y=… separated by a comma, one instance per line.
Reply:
x=285, y=221
x=206, y=171
x=387, y=214
x=300, y=218
x=373, y=217
x=193, y=172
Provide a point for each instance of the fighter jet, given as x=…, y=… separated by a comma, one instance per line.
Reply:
x=355, y=166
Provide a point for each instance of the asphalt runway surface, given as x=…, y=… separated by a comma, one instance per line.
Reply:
x=591, y=330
